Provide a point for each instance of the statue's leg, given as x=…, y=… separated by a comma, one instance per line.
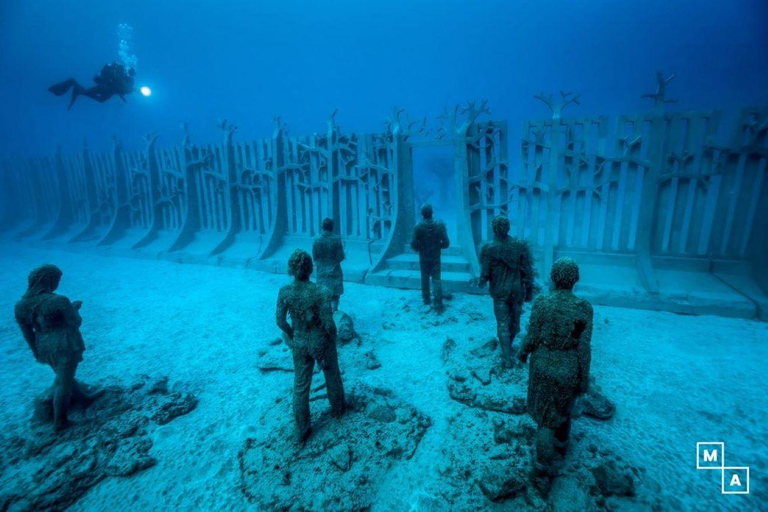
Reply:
x=543, y=469
x=545, y=446
x=62, y=394
x=303, y=366
x=425, y=295
x=333, y=384
x=501, y=310
x=515, y=311
x=562, y=433
x=437, y=284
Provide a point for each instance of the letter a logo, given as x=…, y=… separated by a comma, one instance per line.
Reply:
x=733, y=479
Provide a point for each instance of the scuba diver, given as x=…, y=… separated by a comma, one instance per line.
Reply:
x=113, y=80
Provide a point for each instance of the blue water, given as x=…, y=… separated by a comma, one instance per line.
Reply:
x=250, y=61
x=205, y=61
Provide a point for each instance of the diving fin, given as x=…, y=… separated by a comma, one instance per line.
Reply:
x=77, y=90
x=61, y=88
x=75, y=94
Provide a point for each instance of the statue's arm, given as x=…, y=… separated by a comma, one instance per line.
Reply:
x=485, y=266
x=527, y=271
x=28, y=333
x=585, y=352
x=71, y=311
x=340, y=256
x=326, y=316
x=281, y=315
x=445, y=242
x=415, y=242
x=533, y=335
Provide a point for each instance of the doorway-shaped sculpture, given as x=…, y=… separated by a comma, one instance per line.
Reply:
x=434, y=182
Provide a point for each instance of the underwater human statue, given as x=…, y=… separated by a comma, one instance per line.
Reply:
x=50, y=324
x=507, y=264
x=328, y=253
x=559, y=343
x=113, y=80
x=430, y=237
x=311, y=335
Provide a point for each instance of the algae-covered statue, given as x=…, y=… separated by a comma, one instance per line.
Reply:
x=311, y=334
x=558, y=340
x=429, y=238
x=507, y=264
x=50, y=324
x=328, y=253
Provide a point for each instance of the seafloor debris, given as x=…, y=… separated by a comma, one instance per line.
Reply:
x=345, y=327
x=353, y=351
x=476, y=378
x=46, y=471
x=343, y=462
x=497, y=439
x=594, y=403
x=495, y=464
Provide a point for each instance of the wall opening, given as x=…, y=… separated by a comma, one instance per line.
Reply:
x=434, y=182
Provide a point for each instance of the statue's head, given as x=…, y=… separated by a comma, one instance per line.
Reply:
x=500, y=226
x=44, y=279
x=565, y=273
x=327, y=224
x=300, y=265
x=426, y=211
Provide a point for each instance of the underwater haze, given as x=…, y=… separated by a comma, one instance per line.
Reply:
x=391, y=256
x=251, y=61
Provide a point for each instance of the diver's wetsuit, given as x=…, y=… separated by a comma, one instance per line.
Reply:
x=113, y=79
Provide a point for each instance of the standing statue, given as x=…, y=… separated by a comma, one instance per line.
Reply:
x=328, y=254
x=50, y=324
x=507, y=263
x=429, y=238
x=312, y=338
x=558, y=339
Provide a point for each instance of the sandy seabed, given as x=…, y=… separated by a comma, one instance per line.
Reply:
x=675, y=379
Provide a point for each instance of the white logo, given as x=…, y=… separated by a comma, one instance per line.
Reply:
x=734, y=479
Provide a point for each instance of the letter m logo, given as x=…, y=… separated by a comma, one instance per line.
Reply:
x=710, y=455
